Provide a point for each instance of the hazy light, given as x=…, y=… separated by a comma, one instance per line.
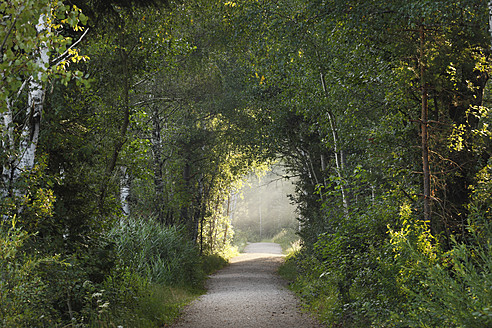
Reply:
x=265, y=208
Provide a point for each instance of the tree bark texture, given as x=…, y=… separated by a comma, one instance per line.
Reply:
x=125, y=191
x=424, y=131
x=490, y=19
x=157, y=157
x=22, y=155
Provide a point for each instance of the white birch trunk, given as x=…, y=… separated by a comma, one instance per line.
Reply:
x=339, y=155
x=490, y=18
x=22, y=155
x=7, y=145
x=125, y=191
x=30, y=131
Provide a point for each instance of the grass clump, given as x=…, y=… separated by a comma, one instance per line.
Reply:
x=288, y=269
x=287, y=239
x=153, y=305
x=213, y=262
x=158, y=271
x=161, y=254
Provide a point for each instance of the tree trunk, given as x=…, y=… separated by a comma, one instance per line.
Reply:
x=8, y=147
x=121, y=139
x=157, y=154
x=22, y=159
x=125, y=191
x=339, y=160
x=490, y=18
x=200, y=213
x=186, y=220
x=225, y=235
x=424, y=133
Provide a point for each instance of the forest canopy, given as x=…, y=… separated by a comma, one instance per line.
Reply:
x=129, y=126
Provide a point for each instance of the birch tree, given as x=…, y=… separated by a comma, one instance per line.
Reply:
x=33, y=51
x=490, y=17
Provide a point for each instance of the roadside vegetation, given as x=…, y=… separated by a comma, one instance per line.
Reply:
x=288, y=239
x=141, y=275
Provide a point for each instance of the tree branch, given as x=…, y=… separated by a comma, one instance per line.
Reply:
x=153, y=100
x=64, y=55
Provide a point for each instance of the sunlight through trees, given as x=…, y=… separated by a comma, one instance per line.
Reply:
x=133, y=133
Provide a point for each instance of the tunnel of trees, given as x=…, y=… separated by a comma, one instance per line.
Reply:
x=128, y=127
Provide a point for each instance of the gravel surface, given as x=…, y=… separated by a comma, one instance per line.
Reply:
x=247, y=293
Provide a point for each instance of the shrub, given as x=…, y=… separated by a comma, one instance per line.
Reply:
x=22, y=291
x=347, y=276
x=288, y=269
x=212, y=263
x=158, y=270
x=446, y=289
x=137, y=303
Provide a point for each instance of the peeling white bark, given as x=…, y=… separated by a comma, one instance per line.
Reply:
x=22, y=155
x=125, y=191
x=30, y=132
x=7, y=144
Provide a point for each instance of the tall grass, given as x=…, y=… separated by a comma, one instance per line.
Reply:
x=160, y=254
x=151, y=306
x=287, y=239
x=158, y=271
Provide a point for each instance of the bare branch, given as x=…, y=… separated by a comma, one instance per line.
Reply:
x=65, y=54
x=153, y=100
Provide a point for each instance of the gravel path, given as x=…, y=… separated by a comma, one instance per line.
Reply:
x=247, y=293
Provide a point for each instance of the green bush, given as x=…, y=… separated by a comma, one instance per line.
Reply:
x=446, y=289
x=347, y=276
x=157, y=270
x=129, y=300
x=212, y=263
x=288, y=269
x=317, y=289
x=241, y=239
x=23, y=294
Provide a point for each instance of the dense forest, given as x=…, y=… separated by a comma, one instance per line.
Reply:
x=128, y=128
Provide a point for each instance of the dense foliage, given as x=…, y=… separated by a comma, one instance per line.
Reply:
x=127, y=127
x=118, y=152
x=379, y=109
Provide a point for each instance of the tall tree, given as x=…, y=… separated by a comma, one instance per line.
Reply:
x=32, y=52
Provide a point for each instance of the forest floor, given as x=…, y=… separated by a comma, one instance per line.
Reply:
x=248, y=293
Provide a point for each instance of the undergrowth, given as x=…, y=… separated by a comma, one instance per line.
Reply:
x=288, y=269
x=140, y=275
x=160, y=272
x=155, y=305
x=409, y=282
x=287, y=239
x=212, y=263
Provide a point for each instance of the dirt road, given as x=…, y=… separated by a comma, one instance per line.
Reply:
x=247, y=293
